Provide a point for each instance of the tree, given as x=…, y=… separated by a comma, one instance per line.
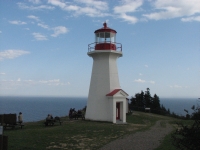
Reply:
x=133, y=101
x=144, y=99
x=155, y=102
x=147, y=98
x=142, y=102
x=168, y=111
x=138, y=100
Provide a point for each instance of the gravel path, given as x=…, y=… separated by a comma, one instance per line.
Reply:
x=147, y=140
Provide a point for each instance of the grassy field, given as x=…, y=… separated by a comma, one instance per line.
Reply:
x=167, y=142
x=80, y=134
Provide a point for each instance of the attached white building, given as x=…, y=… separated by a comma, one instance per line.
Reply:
x=106, y=100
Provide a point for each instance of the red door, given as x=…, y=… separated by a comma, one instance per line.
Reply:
x=118, y=111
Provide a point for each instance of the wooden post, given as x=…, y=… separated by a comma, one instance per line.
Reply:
x=1, y=137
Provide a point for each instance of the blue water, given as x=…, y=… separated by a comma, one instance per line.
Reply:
x=37, y=108
x=177, y=105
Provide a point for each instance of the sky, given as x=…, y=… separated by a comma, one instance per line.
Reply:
x=44, y=45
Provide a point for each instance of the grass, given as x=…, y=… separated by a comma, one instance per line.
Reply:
x=79, y=134
x=167, y=142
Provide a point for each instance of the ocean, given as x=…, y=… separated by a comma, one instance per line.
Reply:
x=177, y=105
x=37, y=108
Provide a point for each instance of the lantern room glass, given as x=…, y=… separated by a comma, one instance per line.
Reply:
x=105, y=37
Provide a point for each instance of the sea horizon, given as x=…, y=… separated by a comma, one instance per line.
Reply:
x=35, y=108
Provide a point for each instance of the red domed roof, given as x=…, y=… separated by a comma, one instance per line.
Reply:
x=105, y=29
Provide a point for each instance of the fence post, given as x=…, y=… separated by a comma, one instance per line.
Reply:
x=1, y=137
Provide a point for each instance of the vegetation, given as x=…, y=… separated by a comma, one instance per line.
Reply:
x=187, y=134
x=76, y=134
x=81, y=134
x=187, y=137
x=145, y=100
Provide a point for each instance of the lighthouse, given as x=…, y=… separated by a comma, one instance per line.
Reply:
x=106, y=100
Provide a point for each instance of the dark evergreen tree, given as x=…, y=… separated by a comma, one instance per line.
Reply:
x=147, y=98
x=142, y=101
x=133, y=101
x=155, y=102
x=168, y=111
x=138, y=100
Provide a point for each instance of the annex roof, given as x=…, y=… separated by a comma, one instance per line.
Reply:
x=115, y=91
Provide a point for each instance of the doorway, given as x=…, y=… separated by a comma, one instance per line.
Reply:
x=117, y=111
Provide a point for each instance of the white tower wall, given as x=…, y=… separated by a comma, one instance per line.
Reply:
x=104, y=79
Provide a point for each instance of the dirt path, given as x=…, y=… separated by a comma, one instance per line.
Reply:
x=147, y=140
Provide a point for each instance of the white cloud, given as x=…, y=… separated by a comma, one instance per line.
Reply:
x=51, y=82
x=143, y=81
x=128, y=6
x=140, y=74
x=19, y=83
x=10, y=54
x=0, y=31
x=140, y=81
x=167, y=9
x=128, y=18
x=33, y=17
x=2, y=73
x=100, y=5
x=91, y=8
x=41, y=7
x=146, y=66
x=39, y=36
x=59, y=30
x=190, y=19
x=17, y=22
x=57, y=3
x=43, y=25
x=35, y=1
x=89, y=11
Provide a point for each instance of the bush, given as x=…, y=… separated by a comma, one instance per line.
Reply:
x=188, y=137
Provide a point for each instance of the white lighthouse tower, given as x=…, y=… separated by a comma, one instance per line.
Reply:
x=106, y=100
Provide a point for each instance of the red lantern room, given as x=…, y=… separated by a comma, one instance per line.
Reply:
x=105, y=39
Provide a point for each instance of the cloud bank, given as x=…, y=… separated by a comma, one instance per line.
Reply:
x=143, y=81
x=11, y=54
x=168, y=9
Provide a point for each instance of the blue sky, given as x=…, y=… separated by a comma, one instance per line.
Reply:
x=44, y=44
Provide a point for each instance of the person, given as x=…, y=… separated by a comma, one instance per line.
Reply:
x=51, y=116
x=20, y=117
x=48, y=117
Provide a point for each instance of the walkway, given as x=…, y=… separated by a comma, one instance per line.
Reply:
x=147, y=140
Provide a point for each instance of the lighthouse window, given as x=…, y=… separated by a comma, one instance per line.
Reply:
x=101, y=39
x=112, y=37
x=97, y=37
x=105, y=37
